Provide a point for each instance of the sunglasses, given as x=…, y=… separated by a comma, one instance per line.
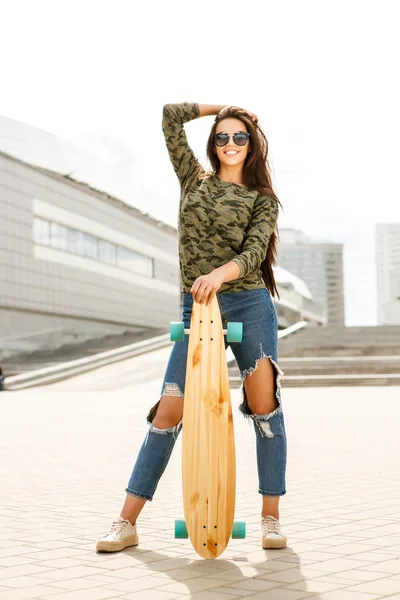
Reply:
x=240, y=138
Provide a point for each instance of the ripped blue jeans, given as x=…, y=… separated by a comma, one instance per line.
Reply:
x=255, y=309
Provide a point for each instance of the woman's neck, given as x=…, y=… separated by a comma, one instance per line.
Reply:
x=231, y=174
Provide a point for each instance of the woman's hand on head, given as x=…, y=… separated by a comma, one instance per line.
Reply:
x=253, y=116
x=248, y=113
x=205, y=287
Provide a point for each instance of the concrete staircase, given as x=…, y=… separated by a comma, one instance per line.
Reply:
x=21, y=363
x=337, y=356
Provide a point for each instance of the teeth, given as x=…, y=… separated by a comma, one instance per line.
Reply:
x=231, y=152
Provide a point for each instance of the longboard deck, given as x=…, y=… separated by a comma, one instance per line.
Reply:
x=208, y=448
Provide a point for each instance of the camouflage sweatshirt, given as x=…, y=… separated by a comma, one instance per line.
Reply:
x=218, y=221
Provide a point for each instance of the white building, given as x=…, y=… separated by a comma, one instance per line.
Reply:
x=295, y=302
x=388, y=272
x=76, y=262
x=320, y=266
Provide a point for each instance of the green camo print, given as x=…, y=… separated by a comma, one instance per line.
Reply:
x=218, y=221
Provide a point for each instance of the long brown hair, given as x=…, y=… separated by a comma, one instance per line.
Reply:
x=256, y=176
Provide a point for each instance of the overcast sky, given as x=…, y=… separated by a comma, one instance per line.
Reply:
x=320, y=75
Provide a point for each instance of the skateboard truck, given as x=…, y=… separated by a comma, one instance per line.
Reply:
x=233, y=332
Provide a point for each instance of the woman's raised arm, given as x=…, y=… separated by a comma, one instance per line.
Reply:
x=182, y=157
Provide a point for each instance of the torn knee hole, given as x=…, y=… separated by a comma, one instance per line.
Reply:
x=174, y=431
x=245, y=408
x=164, y=430
x=172, y=389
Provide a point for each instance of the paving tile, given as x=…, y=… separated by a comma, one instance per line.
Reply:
x=15, y=551
x=180, y=574
x=255, y=585
x=14, y=561
x=337, y=564
x=389, y=566
x=233, y=591
x=282, y=594
x=346, y=595
x=87, y=594
x=371, y=557
x=293, y=575
x=71, y=573
x=24, y=581
x=28, y=593
x=338, y=578
x=314, y=586
x=207, y=595
x=150, y=582
x=59, y=563
x=20, y=571
x=360, y=575
x=149, y=595
x=383, y=586
x=81, y=583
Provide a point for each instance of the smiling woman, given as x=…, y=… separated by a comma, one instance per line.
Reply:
x=226, y=235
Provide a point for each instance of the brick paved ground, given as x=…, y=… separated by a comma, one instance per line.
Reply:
x=66, y=453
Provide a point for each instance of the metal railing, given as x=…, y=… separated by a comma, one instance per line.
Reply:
x=82, y=365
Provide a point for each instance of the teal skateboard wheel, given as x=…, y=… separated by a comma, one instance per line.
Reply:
x=239, y=530
x=181, y=531
x=177, y=331
x=234, y=332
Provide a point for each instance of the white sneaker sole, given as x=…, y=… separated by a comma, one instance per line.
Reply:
x=108, y=546
x=274, y=543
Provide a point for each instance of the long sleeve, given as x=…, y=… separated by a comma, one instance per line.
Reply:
x=258, y=233
x=183, y=160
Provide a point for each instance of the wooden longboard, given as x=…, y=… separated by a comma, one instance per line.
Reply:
x=208, y=447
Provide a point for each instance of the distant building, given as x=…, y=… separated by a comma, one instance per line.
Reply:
x=293, y=236
x=388, y=272
x=320, y=266
x=295, y=302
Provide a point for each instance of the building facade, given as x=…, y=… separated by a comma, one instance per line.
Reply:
x=320, y=266
x=387, y=246
x=76, y=263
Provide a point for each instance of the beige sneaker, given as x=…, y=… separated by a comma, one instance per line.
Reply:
x=121, y=535
x=272, y=534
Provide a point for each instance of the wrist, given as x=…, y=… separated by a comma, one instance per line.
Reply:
x=228, y=272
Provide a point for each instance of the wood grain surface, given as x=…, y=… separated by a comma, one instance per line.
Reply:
x=208, y=448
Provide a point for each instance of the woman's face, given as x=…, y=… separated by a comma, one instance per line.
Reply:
x=231, y=155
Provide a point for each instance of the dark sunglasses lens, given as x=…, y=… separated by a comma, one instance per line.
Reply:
x=221, y=139
x=240, y=139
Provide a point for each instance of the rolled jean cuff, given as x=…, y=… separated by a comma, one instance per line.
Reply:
x=138, y=494
x=264, y=493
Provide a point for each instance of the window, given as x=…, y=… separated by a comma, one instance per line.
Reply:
x=123, y=257
x=41, y=231
x=59, y=236
x=88, y=246
x=127, y=259
x=76, y=242
x=107, y=252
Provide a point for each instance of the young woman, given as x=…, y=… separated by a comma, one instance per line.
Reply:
x=227, y=246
